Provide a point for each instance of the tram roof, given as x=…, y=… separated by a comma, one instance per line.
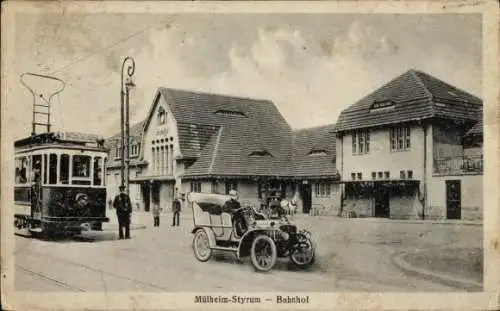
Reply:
x=62, y=139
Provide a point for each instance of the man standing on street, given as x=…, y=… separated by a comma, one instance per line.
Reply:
x=176, y=208
x=123, y=207
x=156, y=214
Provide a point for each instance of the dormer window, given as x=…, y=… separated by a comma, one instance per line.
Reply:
x=162, y=116
x=260, y=153
x=317, y=152
x=382, y=105
x=225, y=112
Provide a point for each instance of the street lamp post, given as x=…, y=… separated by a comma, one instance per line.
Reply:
x=125, y=124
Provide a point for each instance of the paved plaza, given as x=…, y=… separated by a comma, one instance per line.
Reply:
x=372, y=255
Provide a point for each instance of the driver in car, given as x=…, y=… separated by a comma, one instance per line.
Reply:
x=233, y=207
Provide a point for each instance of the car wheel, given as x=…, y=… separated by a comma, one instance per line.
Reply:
x=201, y=246
x=303, y=256
x=263, y=253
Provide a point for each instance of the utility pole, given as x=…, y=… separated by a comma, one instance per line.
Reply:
x=125, y=121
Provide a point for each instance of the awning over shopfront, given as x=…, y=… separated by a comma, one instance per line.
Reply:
x=388, y=182
x=368, y=189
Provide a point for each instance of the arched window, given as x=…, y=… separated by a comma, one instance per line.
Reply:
x=162, y=116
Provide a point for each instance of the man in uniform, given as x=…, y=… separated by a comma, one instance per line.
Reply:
x=123, y=207
x=176, y=208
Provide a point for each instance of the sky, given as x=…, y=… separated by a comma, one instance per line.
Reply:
x=310, y=65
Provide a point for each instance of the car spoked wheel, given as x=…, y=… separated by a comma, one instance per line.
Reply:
x=263, y=253
x=302, y=255
x=201, y=246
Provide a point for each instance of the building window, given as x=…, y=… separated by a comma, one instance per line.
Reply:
x=354, y=144
x=162, y=159
x=400, y=138
x=387, y=175
x=196, y=186
x=410, y=174
x=353, y=176
x=402, y=175
x=162, y=116
x=323, y=189
x=374, y=175
x=361, y=142
x=360, y=176
x=380, y=175
x=231, y=185
x=213, y=187
x=153, y=153
x=134, y=149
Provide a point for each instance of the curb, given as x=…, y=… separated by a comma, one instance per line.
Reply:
x=400, y=221
x=404, y=266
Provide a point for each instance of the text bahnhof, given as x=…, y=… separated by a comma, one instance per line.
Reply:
x=246, y=299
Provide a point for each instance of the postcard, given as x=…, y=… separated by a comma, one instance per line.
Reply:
x=252, y=155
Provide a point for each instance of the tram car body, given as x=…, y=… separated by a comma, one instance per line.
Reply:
x=60, y=183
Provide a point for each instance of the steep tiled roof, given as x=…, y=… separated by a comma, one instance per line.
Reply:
x=194, y=137
x=314, y=151
x=113, y=142
x=476, y=130
x=224, y=132
x=414, y=95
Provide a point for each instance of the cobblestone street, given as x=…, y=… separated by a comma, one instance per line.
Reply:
x=353, y=255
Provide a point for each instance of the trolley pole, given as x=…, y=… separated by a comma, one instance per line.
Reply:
x=125, y=123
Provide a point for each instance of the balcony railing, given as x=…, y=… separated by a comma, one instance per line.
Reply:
x=459, y=165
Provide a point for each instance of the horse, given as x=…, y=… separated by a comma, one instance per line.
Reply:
x=290, y=208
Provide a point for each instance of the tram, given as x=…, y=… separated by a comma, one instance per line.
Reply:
x=59, y=182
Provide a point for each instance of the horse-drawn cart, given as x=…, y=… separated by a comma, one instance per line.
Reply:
x=263, y=239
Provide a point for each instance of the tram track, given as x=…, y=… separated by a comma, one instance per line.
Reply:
x=97, y=270
x=47, y=278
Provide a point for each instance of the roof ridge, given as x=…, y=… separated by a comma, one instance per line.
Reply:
x=217, y=94
x=313, y=127
x=419, y=72
x=216, y=147
x=415, y=75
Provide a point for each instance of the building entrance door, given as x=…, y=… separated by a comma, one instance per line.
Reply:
x=453, y=199
x=382, y=197
x=306, y=195
x=145, y=196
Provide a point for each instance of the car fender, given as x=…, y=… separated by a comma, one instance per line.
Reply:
x=210, y=233
x=246, y=240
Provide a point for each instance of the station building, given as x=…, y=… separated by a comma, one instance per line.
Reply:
x=412, y=149
x=201, y=142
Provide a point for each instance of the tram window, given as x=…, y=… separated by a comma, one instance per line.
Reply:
x=98, y=164
x=21, y=170
x=81, y=166
x=64, y=177
x=45, y=165
x=53, y=169
x=36, y=169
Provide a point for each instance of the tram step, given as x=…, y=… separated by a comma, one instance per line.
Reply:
x=226, y=249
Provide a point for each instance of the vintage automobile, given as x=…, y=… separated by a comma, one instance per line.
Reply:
x=264, y=239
